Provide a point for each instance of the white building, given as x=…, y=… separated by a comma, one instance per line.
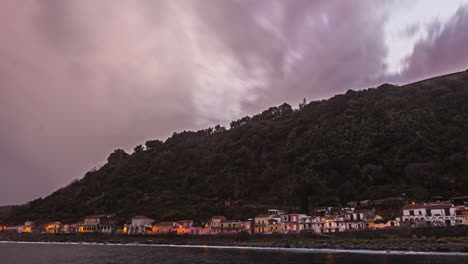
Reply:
x=423, y=214
x=139, y=225
x=275, y=212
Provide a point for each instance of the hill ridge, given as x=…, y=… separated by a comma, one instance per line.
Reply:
x=366, y=144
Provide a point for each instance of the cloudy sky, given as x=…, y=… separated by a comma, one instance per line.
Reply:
x=79, y=78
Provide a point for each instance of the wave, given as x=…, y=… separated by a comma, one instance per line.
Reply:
x=298, y=250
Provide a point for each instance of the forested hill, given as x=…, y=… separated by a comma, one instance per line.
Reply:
x=367, y=144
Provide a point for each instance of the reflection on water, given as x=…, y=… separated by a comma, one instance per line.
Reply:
x=284, y=257
x=329, y=258
x=383, y=259
x=97, y=254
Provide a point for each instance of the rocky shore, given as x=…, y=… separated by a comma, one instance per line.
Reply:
x=449, y=244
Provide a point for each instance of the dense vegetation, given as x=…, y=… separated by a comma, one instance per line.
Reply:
x=366, y=144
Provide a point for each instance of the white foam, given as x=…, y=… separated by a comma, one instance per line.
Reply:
x=298, y=250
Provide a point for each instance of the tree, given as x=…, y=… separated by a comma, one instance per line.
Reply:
x=117, y=155
x=153, y=144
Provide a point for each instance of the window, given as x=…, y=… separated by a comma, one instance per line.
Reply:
x=420, y=212
x=411, y=212
x=447, y=211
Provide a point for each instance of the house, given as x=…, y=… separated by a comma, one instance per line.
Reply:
x=267, y=223
x=26, y=228
x=293, y=223
x=329, y=224
x=335, y=219
x=165, y=227
x=236, y=226
x=140, y=225
x=50, y=227
x=460, y=200
x=275, y=211
x=103, y=223
x=461, y=213
x=186, y=227
x=186, y=223
x=231, y=227
x=248, y=226
x=66, y=228
x=179, y=227
x=213, y=227
x=74, y=228
x=11, y=229
x=432, y=214
x=193, y=230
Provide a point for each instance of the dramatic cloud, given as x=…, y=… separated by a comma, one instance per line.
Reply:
x=445, y=50
x=81, y=78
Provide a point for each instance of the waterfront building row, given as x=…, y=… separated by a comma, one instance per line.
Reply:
x=325, y=220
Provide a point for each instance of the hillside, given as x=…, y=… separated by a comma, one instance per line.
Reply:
x=367, y=144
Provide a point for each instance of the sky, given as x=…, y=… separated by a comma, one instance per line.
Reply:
x=81, y=78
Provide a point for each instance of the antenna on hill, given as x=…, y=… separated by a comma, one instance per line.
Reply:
x=303, y=104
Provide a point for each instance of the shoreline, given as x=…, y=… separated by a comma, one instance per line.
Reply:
x=298, y=250
x=455, y=245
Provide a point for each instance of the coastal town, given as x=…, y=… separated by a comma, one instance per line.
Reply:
x=389, y=213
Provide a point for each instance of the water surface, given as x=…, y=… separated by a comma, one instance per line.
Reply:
x=34, y=253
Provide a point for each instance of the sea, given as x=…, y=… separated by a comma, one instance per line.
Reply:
x=78, y=253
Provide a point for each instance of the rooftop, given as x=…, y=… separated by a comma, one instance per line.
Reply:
x=165, y=224
x=427, y=206
x=100, y=215
x=142, y=217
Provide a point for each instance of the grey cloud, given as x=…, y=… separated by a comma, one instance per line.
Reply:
x=338, y=45
x=444, y=51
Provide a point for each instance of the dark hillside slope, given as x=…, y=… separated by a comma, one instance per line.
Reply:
x=366, y=144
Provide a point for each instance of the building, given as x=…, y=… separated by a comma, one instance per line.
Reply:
x=50, y=227
x=275, y=211
x=26, y=228
x=337, y=219
x=331, y=224
x=186, y=227
x=193, y=230
x=293, y=223
x=66, y=228
x=461, y=213
x=180, y=227
x=460, y=200
x=267, y=223
x=429, y=214
x=74, y=228
x=236, y=226
x=103, y=223
x=165, y=227
x=140, y=225
x=213, y=227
